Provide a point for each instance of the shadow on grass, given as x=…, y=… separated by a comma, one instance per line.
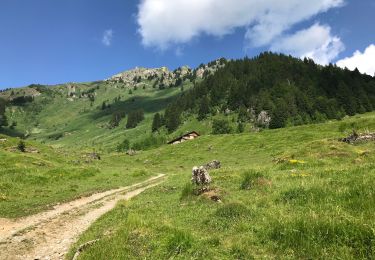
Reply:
x=148, y=104
x=11, y=132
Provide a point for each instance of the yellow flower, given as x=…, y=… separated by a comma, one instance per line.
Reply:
x=296, y=161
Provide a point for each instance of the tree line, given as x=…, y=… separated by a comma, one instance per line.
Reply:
x=292, y=91
x=3, y=118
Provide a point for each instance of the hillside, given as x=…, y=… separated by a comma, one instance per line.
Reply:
x=289, y=187
x=291, y=193
x=62, y=114
x=295, y=191
x=267, y=91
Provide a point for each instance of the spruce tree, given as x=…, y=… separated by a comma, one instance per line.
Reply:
x=204, y=108
x=156, y=122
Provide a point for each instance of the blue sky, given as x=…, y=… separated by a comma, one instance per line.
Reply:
x=50, y=42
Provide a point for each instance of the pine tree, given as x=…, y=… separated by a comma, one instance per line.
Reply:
x=3, y=117
x=172, y=117
x=156, y=122
x=134, y=118
x=204, y=108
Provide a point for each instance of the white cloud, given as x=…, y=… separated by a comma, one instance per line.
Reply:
x=163, y=23
x=107, y=37
x=365, y=62
x=315, y=42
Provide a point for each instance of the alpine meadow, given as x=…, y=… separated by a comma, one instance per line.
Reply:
x=265, y=153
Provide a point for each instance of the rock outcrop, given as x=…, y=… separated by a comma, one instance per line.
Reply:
x=357, y=138
x=200, y=176
x=163, y=76
x=263, y=119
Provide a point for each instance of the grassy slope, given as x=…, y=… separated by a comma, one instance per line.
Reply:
x=322, y=208
x=79, y=120
x=32, y=182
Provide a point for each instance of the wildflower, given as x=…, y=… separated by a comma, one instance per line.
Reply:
x=296, y=162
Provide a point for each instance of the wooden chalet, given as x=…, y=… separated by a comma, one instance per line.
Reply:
x=186, y=137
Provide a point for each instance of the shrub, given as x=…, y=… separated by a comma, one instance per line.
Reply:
x=124, y=146
x=21, y=146
x=221, y=126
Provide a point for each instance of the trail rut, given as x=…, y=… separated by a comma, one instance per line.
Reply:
x=48, y=235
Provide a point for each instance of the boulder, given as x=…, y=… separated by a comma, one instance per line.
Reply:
x=131, y=152
x=215, y=164
x=200, y=176
x=356, y=138
x=263, y=119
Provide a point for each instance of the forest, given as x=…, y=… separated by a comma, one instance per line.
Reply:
x=292, y=92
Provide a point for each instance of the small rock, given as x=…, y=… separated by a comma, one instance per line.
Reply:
x=215, y=164
x=200, y=176
x=131, y=152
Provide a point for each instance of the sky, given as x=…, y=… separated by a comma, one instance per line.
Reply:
x=60, y=41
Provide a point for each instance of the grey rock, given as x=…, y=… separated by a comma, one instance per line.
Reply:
x=215, y=164
x=200, y=176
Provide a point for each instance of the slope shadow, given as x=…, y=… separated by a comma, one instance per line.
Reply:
x=148, y=104
x=11, y=132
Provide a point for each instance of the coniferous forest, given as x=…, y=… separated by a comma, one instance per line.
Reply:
x=290, y=90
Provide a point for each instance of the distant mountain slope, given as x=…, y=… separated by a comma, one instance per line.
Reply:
x=284, y=90
x=267, y=91
x=95, y=113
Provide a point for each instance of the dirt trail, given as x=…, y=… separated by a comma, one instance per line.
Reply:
x=48, y=235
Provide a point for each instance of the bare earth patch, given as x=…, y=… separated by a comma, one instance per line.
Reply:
x=48, y=235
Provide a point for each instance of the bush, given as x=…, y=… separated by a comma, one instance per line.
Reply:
x=124, y=146
x=21, y=146
x=221, y=126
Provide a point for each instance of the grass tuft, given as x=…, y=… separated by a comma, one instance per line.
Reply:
x=188, y=191
x=179, y=242
x=251, y=179
x=232, y=211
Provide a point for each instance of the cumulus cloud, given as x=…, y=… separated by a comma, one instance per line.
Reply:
x=364, y=62
x=316, y=42
x=107, y=37
x=163, y=23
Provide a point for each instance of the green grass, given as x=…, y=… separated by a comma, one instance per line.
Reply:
x=55, y=119
x=293, y=193
x=32, y=182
